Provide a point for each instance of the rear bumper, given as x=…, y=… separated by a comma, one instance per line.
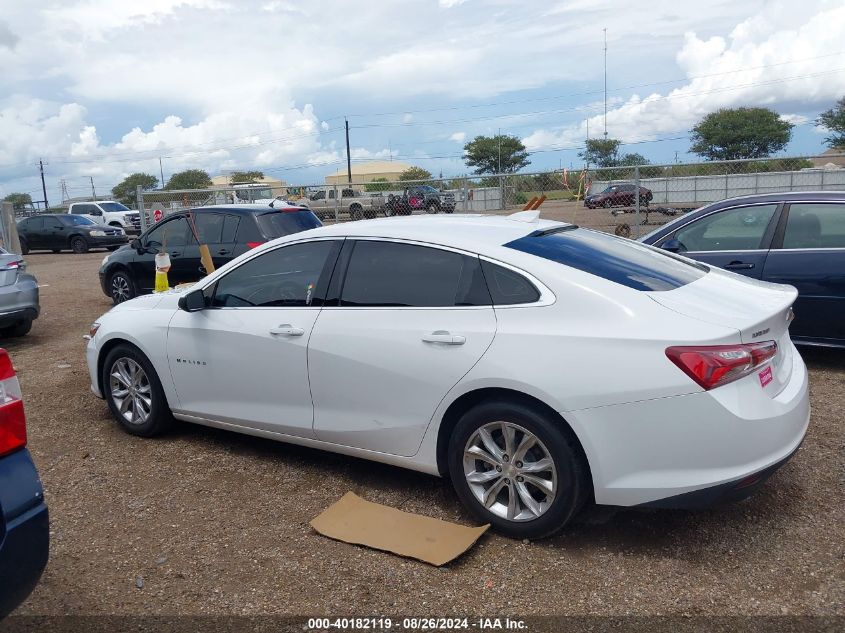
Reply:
x=663, y=449
x=24, y=531
x=19, y=301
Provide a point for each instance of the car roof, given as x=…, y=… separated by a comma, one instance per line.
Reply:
x=473, y=232
x=784, y=196
x=245, y=209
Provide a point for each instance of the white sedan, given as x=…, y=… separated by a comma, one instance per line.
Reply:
x=537, y=364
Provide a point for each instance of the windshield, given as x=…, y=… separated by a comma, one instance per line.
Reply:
x=75, y=220
x=647, y=238
x=278, y=223
x=111, y=207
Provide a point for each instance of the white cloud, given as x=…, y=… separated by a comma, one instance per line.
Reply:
x=448, y=4
x=795, y=119
x=407, y=118
x=458, y=137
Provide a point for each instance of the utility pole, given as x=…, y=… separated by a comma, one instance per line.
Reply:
x=93, y=191
x=605, y=82
x=65, y=195
x=348, y=157
x=43, y=186
x=499, y=138
x=161, y=172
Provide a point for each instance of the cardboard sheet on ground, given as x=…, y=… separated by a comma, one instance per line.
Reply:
x=354, y=520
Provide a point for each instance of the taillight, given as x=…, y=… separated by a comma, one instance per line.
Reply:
x=712, y=366
x=12, y=419
x=254, y=244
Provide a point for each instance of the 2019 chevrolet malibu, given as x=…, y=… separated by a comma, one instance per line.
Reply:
x=537, y=364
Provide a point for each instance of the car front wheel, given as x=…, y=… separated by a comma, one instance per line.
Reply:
x=79, y=245
x=515, y=468
x=134, y=393
x=121, y=287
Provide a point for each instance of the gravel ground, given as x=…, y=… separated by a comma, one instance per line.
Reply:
x=208, y=522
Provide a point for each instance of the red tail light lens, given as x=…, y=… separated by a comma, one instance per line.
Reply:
x=12, y=418
x=254, y=244
x=716, y=365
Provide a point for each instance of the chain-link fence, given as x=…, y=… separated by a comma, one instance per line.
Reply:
x=625, y=200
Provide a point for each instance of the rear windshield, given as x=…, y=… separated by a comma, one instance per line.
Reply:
x=278, y=223
x=616, y=259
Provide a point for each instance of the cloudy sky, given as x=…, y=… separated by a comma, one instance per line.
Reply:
x=103, y=88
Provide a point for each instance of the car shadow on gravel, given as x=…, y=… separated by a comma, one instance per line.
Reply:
x=689, y=535
x=823, y=357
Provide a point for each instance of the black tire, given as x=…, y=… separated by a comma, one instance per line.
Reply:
x=607, y=204
x=79, y=244
x=432, y=207
x=21, y=328
x=121, y=287
x=450, y=210
x=356, y=212
x=573, y=483
x=24, y=247
x=159, y=418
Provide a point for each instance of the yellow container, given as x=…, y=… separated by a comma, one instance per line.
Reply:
x=161, y=281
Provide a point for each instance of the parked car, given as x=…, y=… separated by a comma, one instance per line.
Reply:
x=537, y=364
x=420, y=197
x=792, y=238
x=19, y=305
x=351, y=203
x=228, y=231
x=24, y=521
x=57, y=232
x=108, y=212
x=621, y=195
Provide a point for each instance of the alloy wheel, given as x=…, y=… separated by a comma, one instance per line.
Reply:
x=120, y=290
x=510, y=471
x=131, y=390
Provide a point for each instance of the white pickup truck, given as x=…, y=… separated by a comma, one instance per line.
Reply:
x=108, y=212
x=324, y=201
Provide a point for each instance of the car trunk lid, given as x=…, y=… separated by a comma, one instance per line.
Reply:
x=758, y=310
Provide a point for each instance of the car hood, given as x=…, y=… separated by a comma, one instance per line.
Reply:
x=156, y=301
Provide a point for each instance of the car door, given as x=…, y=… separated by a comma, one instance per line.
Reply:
x=243, y=359
x=32, y=232
x=736, y=238
x=809, y=253
x=55, y=235
x=411, y=320
x=172, y=235
x=210, y=232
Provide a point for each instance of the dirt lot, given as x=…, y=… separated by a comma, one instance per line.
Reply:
x=205, y=521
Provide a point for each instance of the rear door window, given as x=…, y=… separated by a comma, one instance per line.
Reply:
x=508, y=287
x=812, y=225
x=616, y=259
x=392, y=274
x=736, y=229
x=230, y=229
x=209, y=227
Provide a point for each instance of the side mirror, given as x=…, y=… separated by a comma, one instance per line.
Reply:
x=673, y=246
x=136, y=244
x=194, y=301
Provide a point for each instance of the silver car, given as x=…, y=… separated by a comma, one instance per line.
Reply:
x=18, y=296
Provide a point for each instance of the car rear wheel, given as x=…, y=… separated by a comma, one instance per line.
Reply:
x=432, y=208
x=134, y=394
x=121, y=287
x=79, y=245
x=21, y=328
x=607, y=204
x=356, y=212
x=515, y=468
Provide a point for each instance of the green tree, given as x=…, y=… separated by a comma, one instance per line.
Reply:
x=629, y=160
x=414, y=173
x=18, y=200
x=601, y=152
x=496, y=154
x=245, y=177
x=834, y=121
x=377, y=184
x=734, y=133
x=125, y=191
x=189, y=179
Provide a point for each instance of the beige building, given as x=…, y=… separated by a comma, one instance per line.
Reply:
x=369, y=171
x=831, y=159
x=277, y=187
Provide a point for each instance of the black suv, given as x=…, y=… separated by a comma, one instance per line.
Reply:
x=59, y=231
x=228, y=231
x=420, y=197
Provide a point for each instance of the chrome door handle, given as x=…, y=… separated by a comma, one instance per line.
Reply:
x=444, y=337
x=287, y=330
x=737, y=265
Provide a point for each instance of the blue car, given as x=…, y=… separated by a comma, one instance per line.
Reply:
x=24, y=523
x=795, y=238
